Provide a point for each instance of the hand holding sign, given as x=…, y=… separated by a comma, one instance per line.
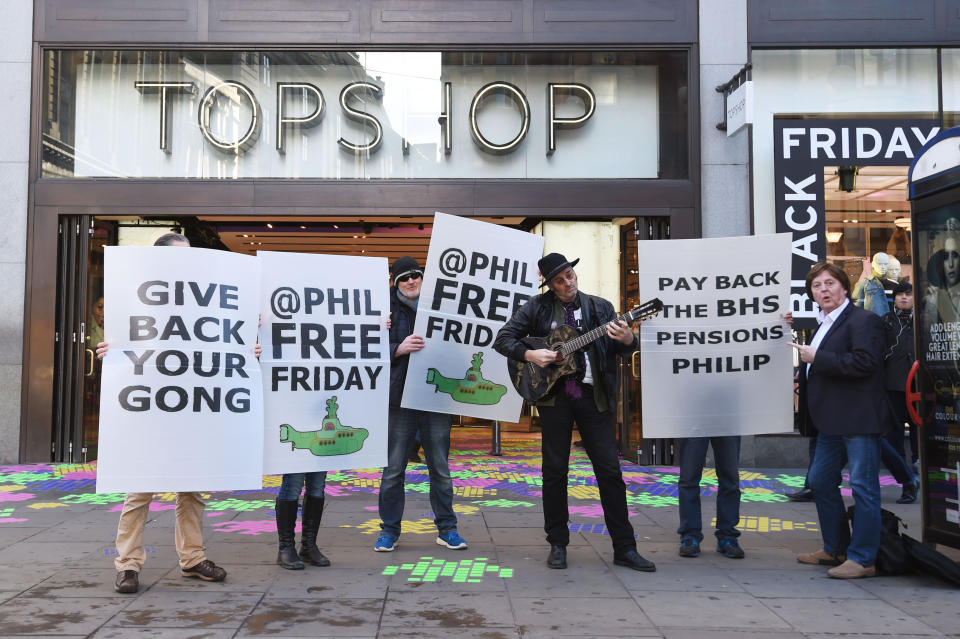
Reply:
x=410, y=344
x=807, y=352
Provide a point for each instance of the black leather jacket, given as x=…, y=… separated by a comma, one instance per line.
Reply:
x=534, y=319
x=402, y=319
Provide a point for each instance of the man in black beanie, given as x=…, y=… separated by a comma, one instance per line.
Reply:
x=587, y=398
x=405, y=423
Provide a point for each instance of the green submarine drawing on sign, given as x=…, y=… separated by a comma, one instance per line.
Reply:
x=333, y=438
x=472, y=389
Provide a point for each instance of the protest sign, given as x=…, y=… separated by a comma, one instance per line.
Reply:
x=180, y=406
x=326, y=361
x=716, y=361
x=476, y=277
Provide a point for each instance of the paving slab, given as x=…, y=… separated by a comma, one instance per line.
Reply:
x=341, y=617
x=842, y=616
x=692, y=577
x=766, y=584
x=707, y=610
x=57, y=615
x=444, y=633
x=161, y=633
x=573, y=616
x=328, y=583
x=586, y=575
x=448, y=609
x=165, y=609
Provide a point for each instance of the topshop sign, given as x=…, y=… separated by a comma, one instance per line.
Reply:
x=335, y=122
x=355, y=91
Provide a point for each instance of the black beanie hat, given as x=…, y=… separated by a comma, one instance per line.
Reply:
x=404, y=265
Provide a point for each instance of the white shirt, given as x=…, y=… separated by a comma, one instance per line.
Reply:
x=826, y=321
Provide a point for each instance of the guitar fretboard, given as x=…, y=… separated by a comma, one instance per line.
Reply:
x=590, y=337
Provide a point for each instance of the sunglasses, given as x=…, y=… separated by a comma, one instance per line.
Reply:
x=413, y=274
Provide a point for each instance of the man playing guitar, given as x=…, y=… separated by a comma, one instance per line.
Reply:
x=586, y=397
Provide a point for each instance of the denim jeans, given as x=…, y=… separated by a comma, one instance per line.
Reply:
x=898, y=467
x=434, y=429
x=600, y=441
x=863, y=454
x=292, y=483
x=692, y=453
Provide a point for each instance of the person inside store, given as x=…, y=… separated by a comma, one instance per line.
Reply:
x=586, y=398
x=188, y=526
x=841, y=379
x=692, y=455
x=897, y=360
x=405, y=423
x=870, y=290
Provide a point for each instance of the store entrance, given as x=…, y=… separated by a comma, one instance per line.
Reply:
x=79, y=311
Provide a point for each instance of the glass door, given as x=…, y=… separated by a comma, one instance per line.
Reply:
x=632, y=443
x=79, y=329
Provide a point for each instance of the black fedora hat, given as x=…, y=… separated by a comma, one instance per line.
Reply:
x=552, y=264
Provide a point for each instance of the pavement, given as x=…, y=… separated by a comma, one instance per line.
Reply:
x=56, y=564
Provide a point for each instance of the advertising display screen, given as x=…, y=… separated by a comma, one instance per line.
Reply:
x=937, y=291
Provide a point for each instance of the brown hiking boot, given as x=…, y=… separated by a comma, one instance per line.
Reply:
x=851, y=570
x=128, y=582
x=206, y=570
x=821, y=558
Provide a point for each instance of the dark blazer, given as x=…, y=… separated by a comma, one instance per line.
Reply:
x=844, y=393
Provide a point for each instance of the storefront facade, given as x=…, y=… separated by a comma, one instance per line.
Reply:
x=211, y=116
x=843, y=101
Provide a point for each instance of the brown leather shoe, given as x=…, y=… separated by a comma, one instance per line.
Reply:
x=128, y=582
x=206, y=570
x=821, y=558
x=851, y=570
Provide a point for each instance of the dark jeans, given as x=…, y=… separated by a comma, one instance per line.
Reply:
x=434, y=430
x=863, y=453
x=292, y=483
x=897, y=466
x=898, y=401
x=692, y=453
x=597, y=432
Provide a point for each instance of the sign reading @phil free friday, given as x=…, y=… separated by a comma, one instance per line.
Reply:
x=476, y=277
x=716, y=360
x=180, y=405
x=326, y=362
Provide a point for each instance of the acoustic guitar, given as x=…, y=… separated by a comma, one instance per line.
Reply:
x=534, y=382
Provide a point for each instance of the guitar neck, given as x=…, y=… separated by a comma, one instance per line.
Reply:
x=590, y=337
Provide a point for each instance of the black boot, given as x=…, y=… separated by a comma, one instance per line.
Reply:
x=286, y=520
x=312, y=512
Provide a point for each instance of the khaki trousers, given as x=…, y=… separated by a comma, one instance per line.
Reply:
x=188, y=530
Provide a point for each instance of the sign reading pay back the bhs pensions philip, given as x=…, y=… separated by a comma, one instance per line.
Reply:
x=716, y=361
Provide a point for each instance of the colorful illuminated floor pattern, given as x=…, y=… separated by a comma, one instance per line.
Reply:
x=481, y=481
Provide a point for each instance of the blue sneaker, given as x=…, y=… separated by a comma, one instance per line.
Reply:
x=385, y=543
x=730, y=548
x=689, y=547
x=451, y=540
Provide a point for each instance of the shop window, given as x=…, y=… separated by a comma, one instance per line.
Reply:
x=867, y=216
